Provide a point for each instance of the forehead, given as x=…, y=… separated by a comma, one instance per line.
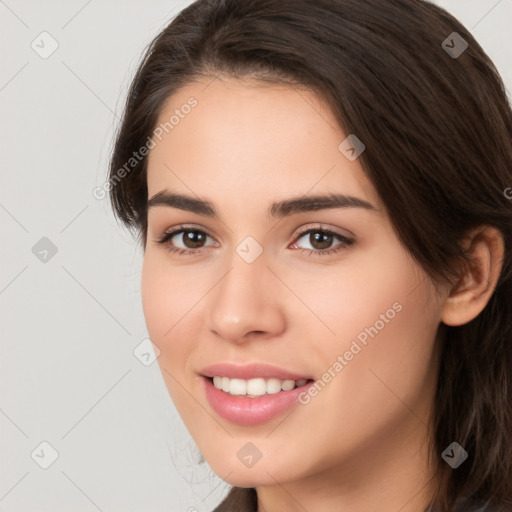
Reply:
x=254, y=139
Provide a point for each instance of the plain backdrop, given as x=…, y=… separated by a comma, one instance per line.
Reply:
x=71, y=314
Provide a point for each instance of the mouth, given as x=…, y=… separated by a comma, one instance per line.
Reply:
x=252, y=394
x=253, y=409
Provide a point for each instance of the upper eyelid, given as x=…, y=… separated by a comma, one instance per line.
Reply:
x=303, y=231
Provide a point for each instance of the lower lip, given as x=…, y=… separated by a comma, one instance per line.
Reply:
x=251, y=411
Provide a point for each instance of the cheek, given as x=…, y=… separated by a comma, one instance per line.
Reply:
x=156, y=298
x=167, y=296
x=167, y=293
x=346, y=299
x=384, y=316
x=388, y=362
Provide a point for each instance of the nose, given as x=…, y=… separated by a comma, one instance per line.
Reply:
x=246, y=303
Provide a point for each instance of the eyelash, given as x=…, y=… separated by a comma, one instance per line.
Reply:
x=345, y=242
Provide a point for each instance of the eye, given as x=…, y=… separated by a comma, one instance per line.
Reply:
x=188, y=240
x=320, y=241
x=184, y=240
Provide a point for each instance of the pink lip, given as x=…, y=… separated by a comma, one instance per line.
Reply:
x=250, y=371
x=251, y=411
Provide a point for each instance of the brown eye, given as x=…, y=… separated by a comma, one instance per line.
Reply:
x=184, y=240
x=321, y=241
x=191, y=239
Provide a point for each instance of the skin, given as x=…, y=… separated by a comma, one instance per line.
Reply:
x=362, y=443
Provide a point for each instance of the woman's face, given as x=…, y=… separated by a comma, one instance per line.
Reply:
x=252, y=286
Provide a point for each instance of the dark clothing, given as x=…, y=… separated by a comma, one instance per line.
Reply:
x=240, y=499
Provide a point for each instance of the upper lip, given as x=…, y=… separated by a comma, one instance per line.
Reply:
x=250, y=371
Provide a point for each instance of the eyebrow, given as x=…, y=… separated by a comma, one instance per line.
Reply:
x=277, y=210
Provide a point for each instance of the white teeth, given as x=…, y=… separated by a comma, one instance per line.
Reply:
x=287, y=385
x=273, y=386
x=238, y=387
x=255, y=387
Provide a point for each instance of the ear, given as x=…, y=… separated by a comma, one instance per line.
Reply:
x=473, y=290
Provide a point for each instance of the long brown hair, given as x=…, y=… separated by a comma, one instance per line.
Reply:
x=437, y=127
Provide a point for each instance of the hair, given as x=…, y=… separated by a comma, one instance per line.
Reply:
x=437, y=131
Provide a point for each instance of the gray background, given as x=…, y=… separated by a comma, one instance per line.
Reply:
x=70, y=324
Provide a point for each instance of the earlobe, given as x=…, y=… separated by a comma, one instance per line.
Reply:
x=471, y=293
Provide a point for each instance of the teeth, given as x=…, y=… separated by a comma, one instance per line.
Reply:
x=273, y=386
x=255, y=387
x=238, y=387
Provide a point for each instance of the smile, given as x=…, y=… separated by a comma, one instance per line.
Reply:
x=253, y=388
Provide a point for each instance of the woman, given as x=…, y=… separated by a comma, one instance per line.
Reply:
x=320, y=190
